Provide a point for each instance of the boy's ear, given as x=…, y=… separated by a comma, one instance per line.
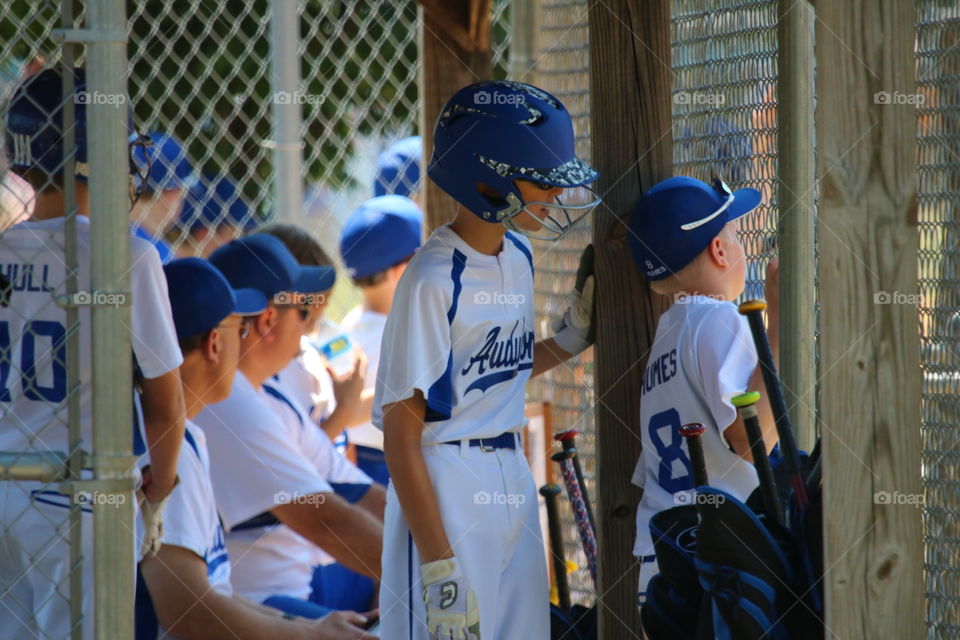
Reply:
x=211, y=346
x=717, y=254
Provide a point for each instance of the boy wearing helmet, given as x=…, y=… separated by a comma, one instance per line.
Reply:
x=463, y=555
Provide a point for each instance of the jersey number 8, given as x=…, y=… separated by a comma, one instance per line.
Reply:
x=670, y=450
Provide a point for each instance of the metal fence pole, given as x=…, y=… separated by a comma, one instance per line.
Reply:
x=796, y=199
x=285, y=78
x=109, y=272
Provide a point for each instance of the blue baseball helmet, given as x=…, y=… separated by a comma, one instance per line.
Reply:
x=398, y=168
x=496, y=132
x=33, y=135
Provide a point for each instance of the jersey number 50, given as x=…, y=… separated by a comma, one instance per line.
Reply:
x=56, y=352
x=670, y=450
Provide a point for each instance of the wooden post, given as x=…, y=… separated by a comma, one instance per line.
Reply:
x=796, y=190
x=446, y=65
x=866, y=164
x=630, y=92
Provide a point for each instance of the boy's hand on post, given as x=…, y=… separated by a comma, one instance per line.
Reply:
x=452, y=611
x=771, y=288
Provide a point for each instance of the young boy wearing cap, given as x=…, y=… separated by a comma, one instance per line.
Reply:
x=189, y=594
x=163, y=191
x=34, y=330
x=332, y=401
x=377, y=242
x=272, y=492
x=213, y=213
x=398, y=169
x=683, y=237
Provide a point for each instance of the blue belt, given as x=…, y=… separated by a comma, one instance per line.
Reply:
x=503, y=441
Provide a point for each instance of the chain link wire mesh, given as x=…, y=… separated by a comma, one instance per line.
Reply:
x=46, y=575
x=563, y=70
x=199, y=72
x=938, y=165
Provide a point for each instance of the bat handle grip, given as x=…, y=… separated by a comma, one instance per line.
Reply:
x=691, y=433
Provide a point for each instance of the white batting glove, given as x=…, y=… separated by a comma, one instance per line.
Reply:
x=151, y=513
x=452, y=612
x=574, y=328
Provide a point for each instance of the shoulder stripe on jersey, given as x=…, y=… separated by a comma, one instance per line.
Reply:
x=440, y=393
x=192, y=442
x=352, y=492
x=523, y=248
x=279, y=396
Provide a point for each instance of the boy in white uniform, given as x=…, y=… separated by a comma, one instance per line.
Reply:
x=463, y=551
x=275, y=500
x=188, y=581
x=377, y=242
x=35, y=555
x=683, y=237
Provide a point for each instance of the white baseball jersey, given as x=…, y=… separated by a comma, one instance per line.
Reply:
x=366, y=329
x=33, y=383
x=307, y=383
x=33, y=392
x=461, y=330
x=702, y=356
x=267, y=452
x=190, y=519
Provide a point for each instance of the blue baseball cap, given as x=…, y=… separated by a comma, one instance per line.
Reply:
x=676, y=219
x=380, y=233
x=201, y=297
x=262, y=262
x=398, y=168
x=213, y=201
x=169, y=166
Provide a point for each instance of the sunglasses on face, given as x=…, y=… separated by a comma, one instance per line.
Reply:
x=304, y=309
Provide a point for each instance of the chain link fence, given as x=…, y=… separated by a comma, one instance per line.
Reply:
x=938, y=145
x=563, y=69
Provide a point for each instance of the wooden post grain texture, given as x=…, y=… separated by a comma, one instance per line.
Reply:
x=445, y=67
x=867, y=231
x=630, y=91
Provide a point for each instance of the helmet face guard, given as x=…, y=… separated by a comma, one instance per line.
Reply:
x=563, y=214
x=494, y=133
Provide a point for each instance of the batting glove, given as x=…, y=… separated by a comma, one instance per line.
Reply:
x=151, y=513
x=574, y=329
x=452, y=612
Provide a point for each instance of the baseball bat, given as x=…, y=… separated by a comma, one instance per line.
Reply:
x=691, y=433
x=550, y=493
x=746, y=405
x=587, y=537
x=753, y=310
x=568, y=440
